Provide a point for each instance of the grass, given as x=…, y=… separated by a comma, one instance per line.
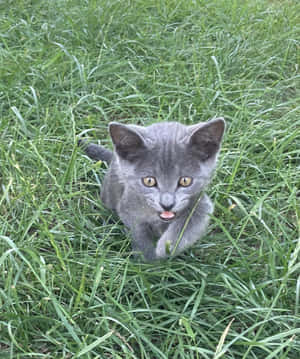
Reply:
x=68, y=287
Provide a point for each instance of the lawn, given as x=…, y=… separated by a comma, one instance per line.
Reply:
x=69, y=287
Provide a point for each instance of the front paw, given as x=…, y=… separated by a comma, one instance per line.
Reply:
x=164, y=248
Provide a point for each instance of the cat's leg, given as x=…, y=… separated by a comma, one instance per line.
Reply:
x=182, y=233
x=143, y=242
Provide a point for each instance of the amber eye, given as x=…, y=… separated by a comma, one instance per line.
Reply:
x=185, y=181
x=149, y=181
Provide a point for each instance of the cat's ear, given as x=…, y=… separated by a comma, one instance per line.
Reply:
x=206, y=139
x=127, y=141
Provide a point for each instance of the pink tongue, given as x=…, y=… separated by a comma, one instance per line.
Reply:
x=167, y=215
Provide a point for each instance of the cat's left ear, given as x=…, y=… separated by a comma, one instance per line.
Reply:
x=206, y=139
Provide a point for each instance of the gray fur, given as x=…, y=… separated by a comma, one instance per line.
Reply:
x=166, y=151
x=96, y=152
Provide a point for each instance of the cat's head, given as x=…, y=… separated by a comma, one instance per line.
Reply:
x=167, y=164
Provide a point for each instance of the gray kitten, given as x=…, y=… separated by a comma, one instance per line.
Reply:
x=156, y=181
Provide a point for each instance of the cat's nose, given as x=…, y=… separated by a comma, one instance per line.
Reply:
x=167, y=201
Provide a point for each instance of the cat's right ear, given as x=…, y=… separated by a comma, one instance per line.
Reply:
x=206, y=139
x=127, y=141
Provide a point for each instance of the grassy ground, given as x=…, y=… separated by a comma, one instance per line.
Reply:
x=68, y=287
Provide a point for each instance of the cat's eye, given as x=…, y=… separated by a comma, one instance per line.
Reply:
x=149, y=181
x=185, y=181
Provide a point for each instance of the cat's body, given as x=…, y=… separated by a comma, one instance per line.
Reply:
x=156, y=177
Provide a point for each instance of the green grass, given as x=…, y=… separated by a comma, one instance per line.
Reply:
x=68, y=286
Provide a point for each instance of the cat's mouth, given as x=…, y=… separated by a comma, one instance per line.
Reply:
x=167, y=215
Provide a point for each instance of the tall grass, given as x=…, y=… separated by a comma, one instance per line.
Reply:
x=68, y=285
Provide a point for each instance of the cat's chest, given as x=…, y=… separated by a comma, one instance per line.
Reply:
x=158, y=227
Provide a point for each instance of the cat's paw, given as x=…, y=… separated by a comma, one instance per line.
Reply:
x=164, y=248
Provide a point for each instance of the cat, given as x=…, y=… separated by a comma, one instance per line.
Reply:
x=156, y=181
